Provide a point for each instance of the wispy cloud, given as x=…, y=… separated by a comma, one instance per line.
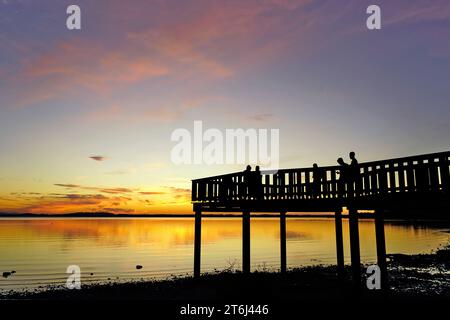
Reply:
x=104, y=190
x=178, y=194
x=98, y=158
x=415, y=12
x=67, y=185
x=117, y=200
x=136, y=114
x=71, y=202
x=151, y=193
x=173, y=109
x=262, y=117
x=118, y=210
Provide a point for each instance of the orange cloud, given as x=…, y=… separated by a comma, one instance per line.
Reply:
x=148, y=193
x=168, y=202
x=119, y=210
x=180, y=194
x=70, y=202
x=167, y=199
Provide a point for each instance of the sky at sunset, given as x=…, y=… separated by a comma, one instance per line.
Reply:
x=86, y=115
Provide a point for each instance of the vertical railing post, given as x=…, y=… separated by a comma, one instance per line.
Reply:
x=381, y=248
x=283, y=241
x=373, y=180
x=354, y=247
x=197, y=242
x=410, y=177
x=246, y=242
x=194, y=191
x=267, y=189
x=444, y=173
x=433, y=170
x=339, y=244
x=333, y=184
x=392, y=182
x=401, y=177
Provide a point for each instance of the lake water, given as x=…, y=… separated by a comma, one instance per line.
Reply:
x=40, y=250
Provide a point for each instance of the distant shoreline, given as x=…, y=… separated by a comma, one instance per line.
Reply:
x=77, y=215
x=158, y=215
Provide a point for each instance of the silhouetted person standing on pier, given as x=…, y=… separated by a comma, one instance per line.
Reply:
x=343, y=176
x=247, y=183
x=257, y=184
x=352, y=156
x=317, y=180
x=354, y=177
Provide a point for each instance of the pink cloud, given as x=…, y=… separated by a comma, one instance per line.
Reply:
x=221, y=38
x=215, y=41
x=90, y=66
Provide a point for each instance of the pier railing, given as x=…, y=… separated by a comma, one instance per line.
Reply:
x=427, y=173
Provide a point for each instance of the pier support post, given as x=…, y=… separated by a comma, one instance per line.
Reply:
x=339, y=244
x=246, y=242
x=197, y=242
x=354, y=247
x=283, y=241
x=381, y=247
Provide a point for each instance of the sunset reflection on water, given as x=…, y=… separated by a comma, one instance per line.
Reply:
x=39, y=250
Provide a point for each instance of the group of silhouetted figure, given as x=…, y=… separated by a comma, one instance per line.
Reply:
x=253, y=187
x=349, y=182
x=249, y=183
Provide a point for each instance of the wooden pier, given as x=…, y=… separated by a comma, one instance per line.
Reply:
x=410, y=187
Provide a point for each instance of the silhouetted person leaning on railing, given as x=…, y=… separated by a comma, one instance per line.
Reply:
x=343, y=177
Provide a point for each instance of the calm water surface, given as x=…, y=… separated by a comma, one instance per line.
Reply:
x=40, y=250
